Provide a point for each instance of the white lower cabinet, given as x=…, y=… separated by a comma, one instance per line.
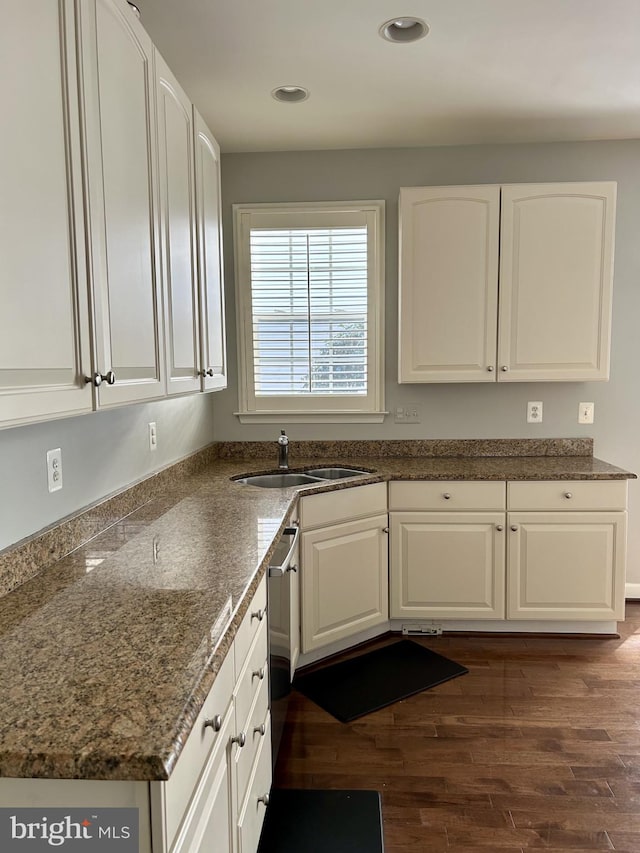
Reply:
x=344, y=563
x=556, y=551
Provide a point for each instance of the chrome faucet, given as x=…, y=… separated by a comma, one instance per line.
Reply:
x=283, y=450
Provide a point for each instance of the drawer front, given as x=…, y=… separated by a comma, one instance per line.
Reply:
x=255, y=617
x=253, y=809
x=245, y=757
x=342, y=505
x=182, y=782
x=568, y=495
x=254, y=674
x=446, y=495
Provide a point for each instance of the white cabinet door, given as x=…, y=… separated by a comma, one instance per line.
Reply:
x=208, y=827
x=566, y=565
x=556, y=276
x=120, y=131
x=447, y=565
x=177, y=232
x=44, y=326
x=344, y=580
x=209, y=220
x=448, y=283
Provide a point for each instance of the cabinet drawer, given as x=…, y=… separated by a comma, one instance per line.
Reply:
x=245, y=757
x=182, y=782
x=253, y=809
x=342, y=505
x=568, y=495
x=446, y=495
x=248, y=682
x=255, y=617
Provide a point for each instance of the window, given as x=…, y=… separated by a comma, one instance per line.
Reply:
x=309, y=286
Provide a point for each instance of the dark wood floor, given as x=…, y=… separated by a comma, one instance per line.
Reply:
x=537, y=747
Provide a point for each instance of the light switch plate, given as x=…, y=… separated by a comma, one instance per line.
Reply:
x=586, y=413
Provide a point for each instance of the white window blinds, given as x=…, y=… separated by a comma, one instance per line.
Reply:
x=310, y=308
x=309, y=300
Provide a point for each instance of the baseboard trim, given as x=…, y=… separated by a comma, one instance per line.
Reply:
x=632, y=591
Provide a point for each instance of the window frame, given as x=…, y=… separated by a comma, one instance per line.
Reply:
x=307, y=408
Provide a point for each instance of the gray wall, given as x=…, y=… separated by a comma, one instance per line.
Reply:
x=464, y=411
x=101, y=453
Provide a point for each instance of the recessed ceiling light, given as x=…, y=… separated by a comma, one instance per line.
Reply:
x=403, y=30
x=290, y=94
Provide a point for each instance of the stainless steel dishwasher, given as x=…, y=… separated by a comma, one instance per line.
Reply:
x=283, y=625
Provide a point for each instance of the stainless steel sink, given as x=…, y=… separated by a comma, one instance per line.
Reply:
x=335, y=473
x=279, y=480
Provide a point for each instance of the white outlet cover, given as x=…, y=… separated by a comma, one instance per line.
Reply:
x=54, y=469
x=534, y=412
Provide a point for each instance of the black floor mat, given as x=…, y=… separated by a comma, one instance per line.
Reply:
x=373, y=680
x=308, y=821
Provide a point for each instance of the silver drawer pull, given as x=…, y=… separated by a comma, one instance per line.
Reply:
x=514, y=527
x=490, y=368
x=258, y=673
x=292, y=568
x=385, y=529
x=261, y=730
x=568, y=495
x=264, y=799
x=447, y=496
x=504, y=368
x=240, y=739
x=215, y=723
x=499, y=528
x=259, y=615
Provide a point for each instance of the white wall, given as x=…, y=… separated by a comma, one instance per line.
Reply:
x=464, y=411
x=101, y=453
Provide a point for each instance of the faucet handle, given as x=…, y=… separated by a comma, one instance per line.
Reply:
x=282, y=438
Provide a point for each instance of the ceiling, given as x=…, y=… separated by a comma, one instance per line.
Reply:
x=489, y=70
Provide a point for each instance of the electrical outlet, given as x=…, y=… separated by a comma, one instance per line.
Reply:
x=407, y=414
x=54, y=469
x=585, y=413
x=153, y=436
x=534, y=412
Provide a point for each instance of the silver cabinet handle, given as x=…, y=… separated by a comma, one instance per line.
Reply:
x=504, y=368
x=240, y=739
x=514, y=527
x=292, y=568
x=259, y=615
x=568, y=495
x=258, y=673
x=490, y=368
x=98, y=378
x=209, y=371
x=261, y=730
x=215, y=723
x=499, y=528
x=385, y=529
x=446, y=496
x=264, y=799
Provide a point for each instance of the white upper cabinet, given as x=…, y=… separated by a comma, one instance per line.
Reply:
x=550, y=307
x=120, y=149
x=209, y=228
x=448, y=283
x=44, y=326
x=556, y=277
x=177, y=232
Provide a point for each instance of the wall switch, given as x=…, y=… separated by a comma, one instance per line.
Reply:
x=407, y=414
x=585, y=413
x=534, y=412
x=54, y=469
x=153, y=436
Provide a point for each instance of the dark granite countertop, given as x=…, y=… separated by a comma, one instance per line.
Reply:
x=106, y=657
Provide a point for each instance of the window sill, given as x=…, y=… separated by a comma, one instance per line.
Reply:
x=293, y=417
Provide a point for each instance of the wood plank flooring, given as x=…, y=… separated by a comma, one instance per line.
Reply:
x=538, y=747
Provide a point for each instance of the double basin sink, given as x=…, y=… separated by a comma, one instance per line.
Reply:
x=286, y=479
